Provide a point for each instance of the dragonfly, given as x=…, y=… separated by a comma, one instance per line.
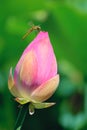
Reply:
x=38, y=28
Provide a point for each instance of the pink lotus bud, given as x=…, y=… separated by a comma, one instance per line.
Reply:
x=35, y=76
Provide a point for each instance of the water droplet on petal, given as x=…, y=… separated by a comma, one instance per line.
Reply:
x=31, y=109
x=31, y=112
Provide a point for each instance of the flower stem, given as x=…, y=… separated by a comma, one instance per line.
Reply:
x=85, y=101
x=21, y=117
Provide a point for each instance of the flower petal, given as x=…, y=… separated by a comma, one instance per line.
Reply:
x=46, y=61
x=11, y=85
x=47, y=66
x=28, y=72
x=46, y=90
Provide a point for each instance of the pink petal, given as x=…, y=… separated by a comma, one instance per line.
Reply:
x=28, y=72
x=47, y=66
x=46, y=90
x=46, y=62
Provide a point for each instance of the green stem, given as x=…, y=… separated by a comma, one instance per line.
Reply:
x=21, y=117
x=85, y=101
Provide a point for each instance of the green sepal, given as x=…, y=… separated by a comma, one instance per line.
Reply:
x=42, y=105
x=38, y=105
x=22, y=100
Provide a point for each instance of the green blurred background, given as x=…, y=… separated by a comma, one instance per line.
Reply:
x=66, y=22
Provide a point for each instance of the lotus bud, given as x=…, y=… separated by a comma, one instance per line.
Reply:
x=35, y=77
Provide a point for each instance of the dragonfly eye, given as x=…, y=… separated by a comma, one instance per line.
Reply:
x=38, y=28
